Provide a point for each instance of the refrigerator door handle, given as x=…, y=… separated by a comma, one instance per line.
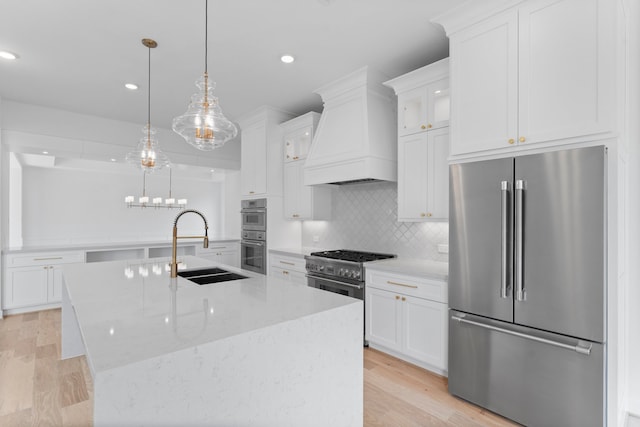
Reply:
x=505, y=285
x=521, y=294
x=579, y=348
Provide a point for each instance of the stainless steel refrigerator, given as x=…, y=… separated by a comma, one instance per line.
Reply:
x=527, y=286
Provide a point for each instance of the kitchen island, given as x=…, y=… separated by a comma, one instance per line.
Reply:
x=257, y=351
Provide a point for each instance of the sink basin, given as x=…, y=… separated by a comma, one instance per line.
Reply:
x=217, y=278
x=201, y=272
x=206, y=276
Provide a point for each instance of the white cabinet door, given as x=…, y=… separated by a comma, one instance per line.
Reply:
x=425, y=330
x=423, y=176
x=383, y=318
x=484, y=77
x=540, y=72
x=413, y=177
x=412, y=111
x=25, y=286
x=565, y=85
x=55, y=284
x=304, y=201
x=297, y=144
x=253, y=173
x=292, y=183
x=438, y=180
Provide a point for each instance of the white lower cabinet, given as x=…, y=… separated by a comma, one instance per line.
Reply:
x=34, y=281
x=402, y=321
x=225, y=253
x=291, y=268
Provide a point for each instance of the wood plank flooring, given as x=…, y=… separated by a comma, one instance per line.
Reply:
x=39, y=389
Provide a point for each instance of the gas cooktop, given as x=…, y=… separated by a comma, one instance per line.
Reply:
x=353, y=256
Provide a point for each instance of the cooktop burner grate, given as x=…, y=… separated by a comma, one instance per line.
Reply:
x=354, y=256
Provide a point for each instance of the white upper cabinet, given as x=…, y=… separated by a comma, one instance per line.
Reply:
x=423, y=176
x=297, y=143
x=423, y=98
x=541, y=72
x=260, y=152
x=302, y=202
x=423, y=142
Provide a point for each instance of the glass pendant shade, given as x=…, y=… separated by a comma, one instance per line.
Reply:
x=147, y=156
x=203, y=125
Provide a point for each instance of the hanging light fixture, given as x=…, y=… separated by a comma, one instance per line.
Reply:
x=147, y=156
x=203, y=125
x=156, y=202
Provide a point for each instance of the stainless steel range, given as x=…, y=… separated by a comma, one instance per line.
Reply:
x=340, y=271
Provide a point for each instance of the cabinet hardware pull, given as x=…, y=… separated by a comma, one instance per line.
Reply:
x=511, y=140
x=46, y=259
x=423, y=127
x=285, y=272
x=429, y=214
x=295, y=216
x=522, y=139
x=397, y=297
x=252, y=192
x=401, y=284
x=422, y=214
x=404, y=299
x=429, y=126
x=296, y=158
x=286, y=263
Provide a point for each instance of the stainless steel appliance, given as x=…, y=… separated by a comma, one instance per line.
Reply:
x=253, y=245
x=527, y=286
x=340, y=271
x=254, y=215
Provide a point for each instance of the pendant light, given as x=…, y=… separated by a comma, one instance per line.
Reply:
x=147, y=156
x=203, y=125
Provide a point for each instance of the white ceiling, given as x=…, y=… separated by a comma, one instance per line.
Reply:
x=76, y=55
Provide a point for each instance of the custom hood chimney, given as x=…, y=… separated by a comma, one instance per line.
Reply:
x=356, y=139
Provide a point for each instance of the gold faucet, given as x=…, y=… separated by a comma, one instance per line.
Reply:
x=174, y=246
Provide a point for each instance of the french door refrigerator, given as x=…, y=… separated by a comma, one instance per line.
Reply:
x=527, y=286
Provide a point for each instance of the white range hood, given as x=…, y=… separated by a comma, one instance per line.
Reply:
x=356, y=139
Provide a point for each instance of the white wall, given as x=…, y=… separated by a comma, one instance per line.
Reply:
x=633, y=210
x=68, y=206
x=232, y=204
x=364, y=217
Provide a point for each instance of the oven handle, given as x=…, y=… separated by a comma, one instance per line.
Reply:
x=308, y=276
x=246, y=243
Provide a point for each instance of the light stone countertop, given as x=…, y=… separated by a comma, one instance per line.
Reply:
x=412, y=267
x=106, y=246
x=295, y=252
x=130, y=311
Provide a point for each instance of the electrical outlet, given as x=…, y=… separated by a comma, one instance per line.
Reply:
x=443, y=248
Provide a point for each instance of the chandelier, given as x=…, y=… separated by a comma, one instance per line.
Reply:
x=147, y=156
x=203, y=125
x=156, y=202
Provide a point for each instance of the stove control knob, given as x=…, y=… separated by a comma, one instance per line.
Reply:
x=321, y=268
x=341, y=272
x=357, y=275
x=349, y=273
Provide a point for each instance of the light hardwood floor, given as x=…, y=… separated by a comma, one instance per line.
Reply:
x=39, y=389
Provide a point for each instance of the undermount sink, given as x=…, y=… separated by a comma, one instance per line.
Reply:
x=206, y=276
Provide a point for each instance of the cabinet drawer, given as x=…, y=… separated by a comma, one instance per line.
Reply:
x=43, y=258
x=288, y=263
x=421, y=287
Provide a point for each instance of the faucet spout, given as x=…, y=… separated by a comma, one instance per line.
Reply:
x=174, y=243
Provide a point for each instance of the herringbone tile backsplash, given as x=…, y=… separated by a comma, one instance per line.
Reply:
x=365, y=218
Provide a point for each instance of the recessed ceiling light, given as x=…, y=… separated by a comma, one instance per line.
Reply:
x=113, y=160
x=131, y=86
x=287, y=59
x=7, y=55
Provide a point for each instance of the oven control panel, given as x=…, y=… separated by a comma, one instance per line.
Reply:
x=335, y=269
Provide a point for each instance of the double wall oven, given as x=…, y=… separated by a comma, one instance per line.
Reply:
x=253, y=246
x=340, y=271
